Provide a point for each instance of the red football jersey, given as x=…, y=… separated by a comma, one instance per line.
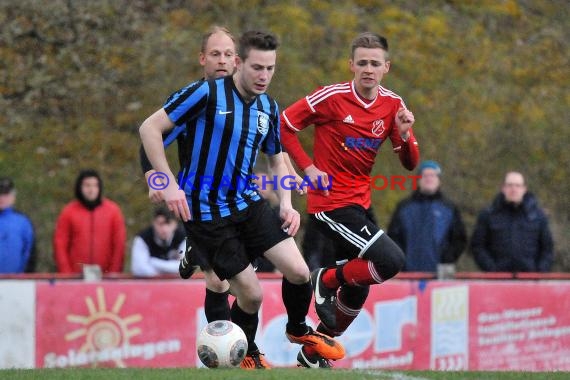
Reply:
x=349, y=131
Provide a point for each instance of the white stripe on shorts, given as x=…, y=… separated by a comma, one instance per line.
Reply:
x=370, y=242
x=348, y=235
x=345, y=232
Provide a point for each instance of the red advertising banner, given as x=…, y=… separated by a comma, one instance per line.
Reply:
x=442, y=325
x=520, y=326
x=116, y=324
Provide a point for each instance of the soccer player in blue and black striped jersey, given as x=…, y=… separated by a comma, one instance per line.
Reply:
x=218, y=58
x=235, y=119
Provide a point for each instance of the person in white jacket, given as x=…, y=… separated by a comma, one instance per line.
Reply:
x=158, y=248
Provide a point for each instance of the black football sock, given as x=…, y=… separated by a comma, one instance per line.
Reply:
x=216, y=306
x=297, y=299
x=248, y=323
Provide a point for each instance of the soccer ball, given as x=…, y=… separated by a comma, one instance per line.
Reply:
x=221, y=344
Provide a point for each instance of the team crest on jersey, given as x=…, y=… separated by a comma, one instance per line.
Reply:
x=262, y=123
x=378, y=127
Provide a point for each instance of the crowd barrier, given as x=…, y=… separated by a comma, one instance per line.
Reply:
x=477, y=321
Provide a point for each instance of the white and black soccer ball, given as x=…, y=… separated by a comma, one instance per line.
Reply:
x=221, y=344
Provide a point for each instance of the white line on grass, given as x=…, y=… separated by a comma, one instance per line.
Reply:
x=391, y=375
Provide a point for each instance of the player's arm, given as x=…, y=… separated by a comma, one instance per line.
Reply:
x=155, y=195
x=151, y=132
x=290, y=216
x=293, y=172
x=403, y=139
x=294, y=148
x=155, y=192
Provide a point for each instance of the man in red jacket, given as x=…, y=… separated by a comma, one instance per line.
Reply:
x=90, y=229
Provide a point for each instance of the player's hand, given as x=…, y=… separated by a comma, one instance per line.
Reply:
x=299, y=184
x=301, y=187
x=318, y=178
x=175, y=199
x=155, y=196
x=155, y=185
x=291, y=220
x=404, y=121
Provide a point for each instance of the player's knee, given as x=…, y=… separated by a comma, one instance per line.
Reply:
x=391, y=264
x=297, y=273
x=299, y=277
x=251, y=302
x=387, y=257
x=389, y=269
x=214, y=284
x=255, y=303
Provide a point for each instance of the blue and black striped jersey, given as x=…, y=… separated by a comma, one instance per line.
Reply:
x=224, y=136
x=178, y=133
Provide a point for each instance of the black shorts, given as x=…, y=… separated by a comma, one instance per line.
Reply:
x=197, y=255
x=232, y=243
x=352, y=228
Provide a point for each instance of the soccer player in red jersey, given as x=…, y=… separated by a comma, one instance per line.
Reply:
x=351, y=120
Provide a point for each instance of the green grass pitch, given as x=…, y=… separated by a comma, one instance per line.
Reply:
x=273, y=374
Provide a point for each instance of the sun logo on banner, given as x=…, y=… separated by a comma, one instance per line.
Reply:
x=104, y=331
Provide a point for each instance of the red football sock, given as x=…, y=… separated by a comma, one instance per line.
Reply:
x=354, y=272
x=329, y=279
x=360, y=272
x=344, y=317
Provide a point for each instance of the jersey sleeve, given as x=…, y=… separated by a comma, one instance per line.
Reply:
x=272, y=143
x=295, y=118
x=187, y=103
x=300, y=115
x=167, y=139
x=408, y=151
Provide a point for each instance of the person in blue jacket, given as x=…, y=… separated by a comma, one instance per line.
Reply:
x=427, y=225
x=17, y=241
x=512, y=235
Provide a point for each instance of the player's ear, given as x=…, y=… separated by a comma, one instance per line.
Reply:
x=387, y=67
x=239, y=62
x=351, y=65
x=202, y=59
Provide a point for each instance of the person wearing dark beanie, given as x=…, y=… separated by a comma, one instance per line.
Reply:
x=427, y=225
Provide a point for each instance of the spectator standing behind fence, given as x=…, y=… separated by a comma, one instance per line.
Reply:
x=512, y=235
x=17, y=253
x=427, y=225
x=90, y=229
x=158, y=248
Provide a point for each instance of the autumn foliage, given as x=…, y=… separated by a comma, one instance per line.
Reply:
x=487, y=81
